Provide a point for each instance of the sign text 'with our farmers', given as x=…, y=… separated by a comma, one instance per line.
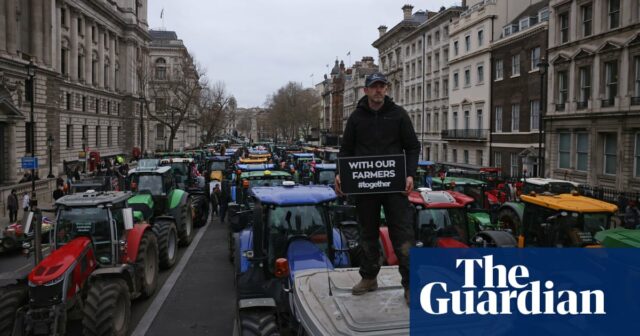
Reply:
x=372, y=174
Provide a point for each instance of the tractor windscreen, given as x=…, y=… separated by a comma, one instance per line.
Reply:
x=266, y=182
x=150, y=183
x=434, y=223
x=217, y=165
x=594, y=222
x=90, y=222
x=326, y=177
x=302, y=221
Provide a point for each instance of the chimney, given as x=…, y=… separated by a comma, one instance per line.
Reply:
x=382, y=30
x=406, y=9
x=464, y=3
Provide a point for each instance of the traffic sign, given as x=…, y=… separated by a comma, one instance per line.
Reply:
x=29, y=162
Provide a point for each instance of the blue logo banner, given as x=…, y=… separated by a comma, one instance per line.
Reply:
x=590, y=291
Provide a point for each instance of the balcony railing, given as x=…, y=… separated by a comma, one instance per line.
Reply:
x=582, y=105
x=469, y=134
x=560, y=107
x=608, y=102
x=635, y=100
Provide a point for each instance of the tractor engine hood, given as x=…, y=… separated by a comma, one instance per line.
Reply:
x=54, y=266
x=303, y=254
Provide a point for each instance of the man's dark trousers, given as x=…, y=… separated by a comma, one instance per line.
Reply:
x=13, y=215
x=398, y=214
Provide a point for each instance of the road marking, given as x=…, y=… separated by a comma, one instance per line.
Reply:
x=150, y=315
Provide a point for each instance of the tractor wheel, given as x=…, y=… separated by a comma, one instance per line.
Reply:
x=186, y=232
x=107, y=309
x=258, y=322
x=147, y=264
x=12, y=297
x=9, y=244
x=201, y=207
x=510, y=220
x=167, y=236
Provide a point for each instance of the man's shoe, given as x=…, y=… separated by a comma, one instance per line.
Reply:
x=407, y=296
x=364, y=286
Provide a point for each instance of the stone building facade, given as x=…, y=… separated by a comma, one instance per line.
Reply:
x=516, y=92
x=593, y=118
x=86, y=91
x=354, y=85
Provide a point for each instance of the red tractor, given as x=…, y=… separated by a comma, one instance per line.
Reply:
x=100, y=261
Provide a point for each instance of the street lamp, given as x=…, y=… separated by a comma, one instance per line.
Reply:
x=142, y=103
x=30, y=91
x=84, y=150
x=50, y=147
x=542, y=66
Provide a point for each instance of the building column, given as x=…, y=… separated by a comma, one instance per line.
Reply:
x=73, y=45
x=49, y=13
x=99, y=31
x=3, y=25
x=12, y=27
x=88, y=52
x=112, y=59
x=36, y=29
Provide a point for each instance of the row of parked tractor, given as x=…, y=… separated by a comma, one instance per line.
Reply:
x=106, y=249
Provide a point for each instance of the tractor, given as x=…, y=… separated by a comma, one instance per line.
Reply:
x=562, y=220
x=100, y=261
x=287, y=231
x=325, y=173
x=167, y=208
x=188, y=179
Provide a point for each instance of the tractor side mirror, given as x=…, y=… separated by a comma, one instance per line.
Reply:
x=127, y=215
x=241, y=220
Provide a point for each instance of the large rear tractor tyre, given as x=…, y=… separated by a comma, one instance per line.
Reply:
x=187, y=215
x=201, y=206
x=107, y=310
x=509, y=220
x=167, y=236
x=12, y=297
x=258, y=322
x=147, y=263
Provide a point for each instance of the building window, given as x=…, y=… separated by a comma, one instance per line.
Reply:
x=535, y=58
x=161, y=70
x=564, y=27
x=498, y=119
x=614, y=14
x=455, y=120
x=562, y=87
x=636, y=61
x=445, y=120
x=467, y=120
x=610, y=153
x=68, y=102
x=514, y=164
x=436, y=90
x=69, y=136
x=445, y=87
x=108, y=107
x=454, y=154
x=637, y=156
x=465, y=156
x=535, y=114
x=584, y=76
x=80, y=67
x=497, y=159
x=437, y=36
x=118, y=138
x=479, y=119
x=94, y=72
x=436, y=58
x=611, y=78
x=582, y=151
x=480, y=37
x=106, y=76
x=94, y=36
x=97, y=105
x=587, y=18
x=109, y=139
x=479, y=158
x=64, y=58
x=455, y=48
x=63, y=17
x=499, y=70
x=84, y=104
x=436, y=122
x=28, y=130
x=515, y=118
x=455, y=80
x=467, y=77
x=80, y=30
x=564, y=150
x=98, y=136
x=467, y=43
x=428, y=40
x=480, y=74
x=515, y=65
x=85, y=135
x=445, y=56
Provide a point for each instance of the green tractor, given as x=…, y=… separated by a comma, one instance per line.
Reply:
x=168, y=209
x=187, y=178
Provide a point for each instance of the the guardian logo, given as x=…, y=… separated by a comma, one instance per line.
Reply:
x=505, y=292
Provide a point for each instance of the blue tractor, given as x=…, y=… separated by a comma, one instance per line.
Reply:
x=288, y=230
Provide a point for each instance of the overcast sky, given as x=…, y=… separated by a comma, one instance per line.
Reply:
x=257, y=46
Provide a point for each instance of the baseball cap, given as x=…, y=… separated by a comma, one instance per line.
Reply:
x=375, y=77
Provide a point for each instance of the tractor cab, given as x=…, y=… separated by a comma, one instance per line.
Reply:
x=325, y=173
x=216, y=166
x=470, y=187
x=184, y=171
x=546, y=185
x=564, y=220
x=152, y=187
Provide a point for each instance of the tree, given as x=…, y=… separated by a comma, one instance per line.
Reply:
x=293, y=111
x=217, y=105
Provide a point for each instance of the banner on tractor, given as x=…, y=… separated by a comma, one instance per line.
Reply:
x=524, y=291
x=372, y=174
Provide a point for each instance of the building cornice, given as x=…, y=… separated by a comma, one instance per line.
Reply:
x=520, y=35
x=608, y=34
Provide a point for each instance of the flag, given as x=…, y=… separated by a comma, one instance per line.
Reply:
x=162, y=13
x=349, y=53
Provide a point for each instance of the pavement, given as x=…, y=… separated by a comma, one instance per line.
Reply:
x=201, y=298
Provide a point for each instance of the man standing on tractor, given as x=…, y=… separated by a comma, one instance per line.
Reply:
x=380, y=127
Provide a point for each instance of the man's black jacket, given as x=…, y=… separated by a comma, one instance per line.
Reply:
x=387, y=131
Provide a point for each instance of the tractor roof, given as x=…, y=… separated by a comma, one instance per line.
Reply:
x=458, y=181
x=219, y=158
x=569, y=202
x=439, y=199
x=260, y=160
x=303, y=155
x=545, y=181
x=90, y=199
x=150, y=170
x=255, y=167
x=294, y=195
x=176, y=160
x=326, y=166
x=263, y=174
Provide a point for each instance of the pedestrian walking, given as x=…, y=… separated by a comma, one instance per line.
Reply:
x=215, y=196
x=378, y=126
x=25, y=204
x=12, y=206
